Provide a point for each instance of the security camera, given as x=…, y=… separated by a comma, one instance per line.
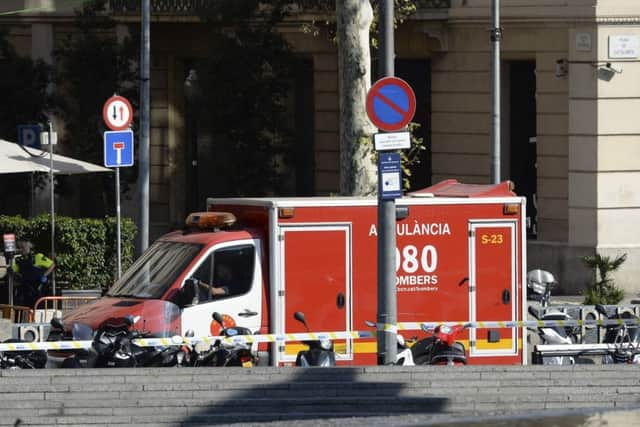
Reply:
x=562, y=67
x=610, y=67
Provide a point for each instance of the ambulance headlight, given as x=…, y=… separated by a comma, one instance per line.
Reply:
x=325, y=344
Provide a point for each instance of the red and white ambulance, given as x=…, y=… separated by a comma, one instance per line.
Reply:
x=460, y=256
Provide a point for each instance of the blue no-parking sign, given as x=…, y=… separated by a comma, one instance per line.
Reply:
x=118, y=148
x=391, y=104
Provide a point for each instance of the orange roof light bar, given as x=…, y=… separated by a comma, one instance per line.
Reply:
x=209, y=220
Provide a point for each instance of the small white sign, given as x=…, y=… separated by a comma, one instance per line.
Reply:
x=623, y=46
x=392, y=141
x=44, y=138
x=583, y=42
x=390, y=182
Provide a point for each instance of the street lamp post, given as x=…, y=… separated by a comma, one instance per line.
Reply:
x=192, y=96
x=143, y=171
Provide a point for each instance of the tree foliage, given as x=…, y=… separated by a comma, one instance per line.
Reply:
x=246, y=84
x=24, y=90
x=325, y=9
x=92, y=65
x=24, y=101
x=403, y=9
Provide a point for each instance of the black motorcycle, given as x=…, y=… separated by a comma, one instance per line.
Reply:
x=36, y=359
x=441, y=348
x=114, y=346
x=625, y=338
x=319, y=352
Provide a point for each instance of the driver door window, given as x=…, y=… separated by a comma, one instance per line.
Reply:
x=230, y=269
x=236, y=267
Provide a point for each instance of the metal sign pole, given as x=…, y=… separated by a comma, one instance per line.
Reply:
x=118, y=152
x=387, y=316
x=496, y=36
x=9, y=251
x=143, y=171
x=118, y=244
x=53, y=220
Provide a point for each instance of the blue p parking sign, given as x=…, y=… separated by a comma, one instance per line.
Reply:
x=29, y=136
x=118, y=148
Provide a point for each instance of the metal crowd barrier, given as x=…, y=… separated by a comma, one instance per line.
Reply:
x=48, y=307
x=16, y=313
x=590, y=333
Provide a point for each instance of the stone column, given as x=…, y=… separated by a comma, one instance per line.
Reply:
x=604, y=147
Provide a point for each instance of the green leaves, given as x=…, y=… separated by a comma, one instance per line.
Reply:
x=603, y=290
x=85, y=248
x=246, y=82
x=23, y=86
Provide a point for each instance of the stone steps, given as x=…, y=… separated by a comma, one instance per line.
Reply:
x=191, y=396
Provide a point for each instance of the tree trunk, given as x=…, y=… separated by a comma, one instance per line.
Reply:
x=357, y=166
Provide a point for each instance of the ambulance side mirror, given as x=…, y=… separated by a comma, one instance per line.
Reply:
x=57, y=323
x=299, y=316
x=218, y=318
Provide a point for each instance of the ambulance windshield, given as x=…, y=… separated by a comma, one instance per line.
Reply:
x=155, y=271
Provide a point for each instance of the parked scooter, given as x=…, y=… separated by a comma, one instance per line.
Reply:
x=539, y=285
x=404, y=356
x=441, y=348
x=554, y=335
x=222, y=354
x=625, y=338
x=36, y=359
x=319, y=352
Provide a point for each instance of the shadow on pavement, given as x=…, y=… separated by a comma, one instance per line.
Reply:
x=314, y=393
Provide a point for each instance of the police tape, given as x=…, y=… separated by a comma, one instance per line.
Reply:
x=314, y=336
x=412, y=326
x=262, y=338
x=179, y=340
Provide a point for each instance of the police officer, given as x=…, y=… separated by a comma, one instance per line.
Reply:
x=33, y=270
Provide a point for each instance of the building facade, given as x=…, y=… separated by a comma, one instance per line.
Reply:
x=570, y=140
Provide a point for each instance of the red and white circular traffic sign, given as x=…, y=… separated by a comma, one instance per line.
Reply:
x=117, y=113
x=391, y=104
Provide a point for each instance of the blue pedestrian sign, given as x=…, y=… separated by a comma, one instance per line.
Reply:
x=118, y=148
x=389, y=176
x=29, y=136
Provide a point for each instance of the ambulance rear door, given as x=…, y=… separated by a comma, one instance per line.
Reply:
x=493, y=286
